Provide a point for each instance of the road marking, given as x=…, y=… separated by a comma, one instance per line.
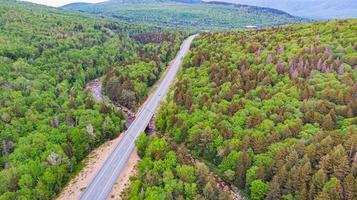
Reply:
x=115, y=163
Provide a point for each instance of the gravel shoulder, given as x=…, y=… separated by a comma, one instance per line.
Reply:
x=123, y=180
x=96, y=159
x=93, y=163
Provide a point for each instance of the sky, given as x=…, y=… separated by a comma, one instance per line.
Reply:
x=57, y=3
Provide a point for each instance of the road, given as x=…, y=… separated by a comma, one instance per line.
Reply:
x=101, y=186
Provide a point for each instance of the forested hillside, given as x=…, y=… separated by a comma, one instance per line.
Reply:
x=316, y=9
x=48, y=123
x=273, y=112
x=192, y=14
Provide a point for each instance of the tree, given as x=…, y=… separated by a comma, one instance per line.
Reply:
x=127, y=98
x=8, y=180
x=190, y=190
x=89, y=102
x=49, y=121
x=349, y=187
x=26, y=181
x=275, y=189
x=336, y=163
x=251, y=176
x=230, y=162
x=245, y=143
x=141, y=144
x=134, y=191
x=332, y=190
x=318, y=181
x=258, y=190
x=210, y=191
x=188, y=101
x=341, y=162
x=306, y=172
x=243, y=164
x=186, y=173
x=303, y=194
x=108, y=128
x=156, y=149
x=230, y=175
x=328, y=124
x=225, y=195
x=155, y=193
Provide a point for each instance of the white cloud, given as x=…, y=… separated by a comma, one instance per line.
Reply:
x=57, y=3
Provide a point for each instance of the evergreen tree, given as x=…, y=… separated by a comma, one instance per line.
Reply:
x=328, y=123
x=243, y=164
x=350, y=187
x=332, y=190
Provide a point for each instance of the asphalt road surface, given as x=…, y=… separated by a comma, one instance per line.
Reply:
x=101, y=186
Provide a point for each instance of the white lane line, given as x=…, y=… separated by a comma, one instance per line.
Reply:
x=102, y=170
x=107, y=182
x=137, y=126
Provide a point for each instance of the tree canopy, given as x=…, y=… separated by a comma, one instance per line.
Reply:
x=48, y=121
x=274, y=111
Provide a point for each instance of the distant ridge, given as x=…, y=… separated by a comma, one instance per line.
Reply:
x=192, y=14
x=315, y=9
x=279, y=12
x=76, y=5
x=80, y=4
x=153, y=1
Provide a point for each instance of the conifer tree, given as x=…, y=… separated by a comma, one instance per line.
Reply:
x=243, y=164
x=328, y=124
x=350, y=187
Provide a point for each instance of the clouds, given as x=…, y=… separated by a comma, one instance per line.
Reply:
x=57, y=3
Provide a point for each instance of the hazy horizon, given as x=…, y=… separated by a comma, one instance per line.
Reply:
x=58, y=3
x=313, y=9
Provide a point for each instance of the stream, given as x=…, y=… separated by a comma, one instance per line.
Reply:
x=95, y=87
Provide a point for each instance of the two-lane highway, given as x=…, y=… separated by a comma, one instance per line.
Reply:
x=101, y=186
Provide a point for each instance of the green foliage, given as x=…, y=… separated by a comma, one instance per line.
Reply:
x=332, y=190
x=198, y=15
x=141, y=144
x=186, y=173
x=157, y=149
x=273, y=110
x=48, y=122
x=230, y=162
x=128, y=81
x=258, y=190
x=168, y=176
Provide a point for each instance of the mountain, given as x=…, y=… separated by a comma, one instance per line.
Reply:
x=193, y=14
x=315, y=9
x=155, y=1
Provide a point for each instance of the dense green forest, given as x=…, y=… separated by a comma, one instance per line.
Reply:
x=130, y=82
x=165, y=173
x=273, y=112
x=192, y=14
x=48, y=122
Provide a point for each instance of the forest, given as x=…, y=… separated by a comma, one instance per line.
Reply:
x=271, y=111
x=188, y=14
x=48, y=122
x=165, y=172
x=130, y=82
